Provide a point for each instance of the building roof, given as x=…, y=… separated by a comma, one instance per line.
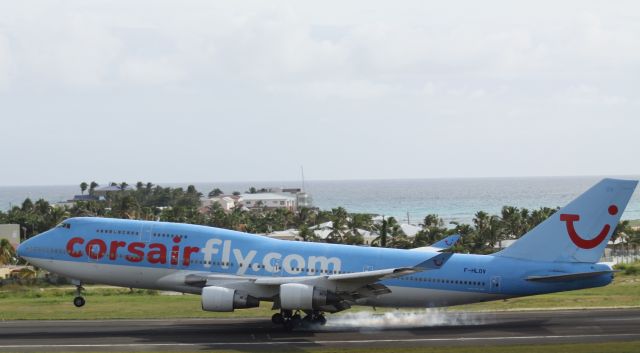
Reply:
x=266, y=196
x=409, y=229
x=86, y=197
x=112, y=188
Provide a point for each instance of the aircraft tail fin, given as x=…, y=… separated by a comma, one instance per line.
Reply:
x=580, y=231
x=447, y=242
x=441, y=245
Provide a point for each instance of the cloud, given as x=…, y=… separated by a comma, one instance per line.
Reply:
x=150, y=71
x=5, y=61
x=589, y=95
x=481, y=75
x=191, y=45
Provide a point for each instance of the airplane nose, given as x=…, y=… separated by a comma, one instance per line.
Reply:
x=20, y=250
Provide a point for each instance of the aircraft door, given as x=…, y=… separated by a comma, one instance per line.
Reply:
x=145, y=232
x=496, y=284
x=96, y=251
x=277, y=268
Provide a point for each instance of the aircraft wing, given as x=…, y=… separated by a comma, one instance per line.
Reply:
x=349, y=286
x=440, y=245
x=433, y=263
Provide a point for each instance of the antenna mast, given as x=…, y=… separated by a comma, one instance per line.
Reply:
x=302, y=173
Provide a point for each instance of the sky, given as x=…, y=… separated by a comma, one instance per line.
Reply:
x=197, y=91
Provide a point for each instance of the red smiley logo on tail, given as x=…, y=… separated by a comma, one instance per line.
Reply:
x=577, y=239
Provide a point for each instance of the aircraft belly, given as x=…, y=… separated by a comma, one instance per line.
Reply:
x=426, y=298
x=116, y=275
x=173, y=279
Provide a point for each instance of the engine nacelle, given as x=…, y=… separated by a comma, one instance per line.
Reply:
x=226, y=299
x=298, y=296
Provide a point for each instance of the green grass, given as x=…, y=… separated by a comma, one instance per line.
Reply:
x=623, y=292
x=26, y=303
x=629, y=269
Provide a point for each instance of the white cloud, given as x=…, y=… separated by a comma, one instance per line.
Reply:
x=585, y=94
x=5, y=61
x=489, y=74
x=150, y=71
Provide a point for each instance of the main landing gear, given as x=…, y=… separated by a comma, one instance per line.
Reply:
x=78, y=301
x=290, y=320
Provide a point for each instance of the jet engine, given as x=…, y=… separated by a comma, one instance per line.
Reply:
x=226, y=299
x=298, y=296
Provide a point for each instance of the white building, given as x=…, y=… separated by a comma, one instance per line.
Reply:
x=11, y=232
x=226, y=202
x=268, y=200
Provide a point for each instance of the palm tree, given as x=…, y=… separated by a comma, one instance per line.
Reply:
x=513, y=224
x=622, y=231
x=125, y=206
x=339, y=223
x=215, y=192
x=432, y=220
x=488, y=229
x=306, y=216
x=27, y=205
x=429, y=235
x=398, y=237
x=383, y=230
x=538, y=216
x=7, y=253
x=307, y=234
x=83, y=187
x=357, y=222
x=92, y=187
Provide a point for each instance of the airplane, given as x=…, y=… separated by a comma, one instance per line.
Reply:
x=235, y=270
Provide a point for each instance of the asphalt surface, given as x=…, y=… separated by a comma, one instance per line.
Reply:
x=430, y=328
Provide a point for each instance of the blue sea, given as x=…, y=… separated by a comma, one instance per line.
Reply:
x=407, y=200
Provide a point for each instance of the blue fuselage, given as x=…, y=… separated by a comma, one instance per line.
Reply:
x=138, y=245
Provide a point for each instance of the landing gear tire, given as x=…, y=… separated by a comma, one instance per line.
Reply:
x=78, y=301
x=296, y=320
x=287, y=319
x=315, y=318
x=277, y=319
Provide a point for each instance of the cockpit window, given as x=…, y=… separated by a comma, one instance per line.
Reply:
x=64, y=225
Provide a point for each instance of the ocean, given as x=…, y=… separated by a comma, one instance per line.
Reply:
x=409, y=200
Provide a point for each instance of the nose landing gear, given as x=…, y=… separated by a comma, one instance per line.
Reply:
x=291, y=320
x=79, y=301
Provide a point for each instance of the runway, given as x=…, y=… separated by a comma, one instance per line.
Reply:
x=430, y=328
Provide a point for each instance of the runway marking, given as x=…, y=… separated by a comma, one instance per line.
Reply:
x=411, y=340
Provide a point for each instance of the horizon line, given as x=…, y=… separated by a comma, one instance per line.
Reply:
x=343, y=180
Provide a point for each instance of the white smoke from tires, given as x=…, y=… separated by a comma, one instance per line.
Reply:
x=404, y=319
